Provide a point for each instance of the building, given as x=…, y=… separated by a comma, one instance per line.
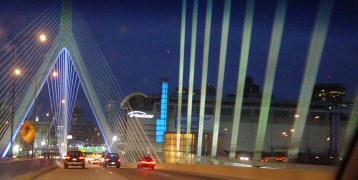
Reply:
x=83, y=131
x=210, y=90
x=251, y=90
x=323, y=131
x=196, y=92
x=331, y=93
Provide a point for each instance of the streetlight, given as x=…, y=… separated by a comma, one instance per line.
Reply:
x=114, y=138
x=42, y=38
x=17, y=73
x=54, y=74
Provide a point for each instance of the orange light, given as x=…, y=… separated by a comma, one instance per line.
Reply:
x=107, y=159
x=81, y=157
x=67, y=157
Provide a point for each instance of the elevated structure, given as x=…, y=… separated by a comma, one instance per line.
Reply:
x=72, y=58
x=75, y=56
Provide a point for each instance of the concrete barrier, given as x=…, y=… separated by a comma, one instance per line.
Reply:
x=25, y=168
x=232, y=172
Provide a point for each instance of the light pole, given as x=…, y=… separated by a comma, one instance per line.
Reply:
x=17, y=72
x=114, y=139
x=42, y=39
x=54, y=74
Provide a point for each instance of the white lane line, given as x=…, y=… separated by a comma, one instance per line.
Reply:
x=164, y=174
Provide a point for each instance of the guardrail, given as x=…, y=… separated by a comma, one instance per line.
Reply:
x=24, y=168
x=233, y=172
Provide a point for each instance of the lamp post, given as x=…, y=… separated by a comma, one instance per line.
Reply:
x=114, y=139
x=17, y=72
x=54, y=74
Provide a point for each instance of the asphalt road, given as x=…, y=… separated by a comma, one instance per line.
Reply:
x=98, y=172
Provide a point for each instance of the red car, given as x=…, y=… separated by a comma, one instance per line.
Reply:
x=145, y=162
x=280, y=158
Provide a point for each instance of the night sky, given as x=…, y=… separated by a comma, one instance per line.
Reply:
x=140, y=40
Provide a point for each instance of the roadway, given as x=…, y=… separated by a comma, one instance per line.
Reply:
x=123, y=173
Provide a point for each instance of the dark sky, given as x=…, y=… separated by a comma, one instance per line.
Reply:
x=140, y=40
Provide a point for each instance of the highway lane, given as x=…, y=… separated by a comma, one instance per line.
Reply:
x=123, y=173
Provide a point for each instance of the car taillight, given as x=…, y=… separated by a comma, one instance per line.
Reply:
x=67, y=157
x=119, y=160
x=142, y=162
x=81, y=157
x=107, y=159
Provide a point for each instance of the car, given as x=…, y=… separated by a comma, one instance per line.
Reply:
x=145, y=162
x=95, y=161
x=280, y=158
x=74, y=158
x=263, y=159
x=111, y=159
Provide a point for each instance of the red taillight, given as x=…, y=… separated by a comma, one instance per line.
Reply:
x=119, y=160
x=81, y=157
x=67, y=157
x=143, y=162
x=107, y=159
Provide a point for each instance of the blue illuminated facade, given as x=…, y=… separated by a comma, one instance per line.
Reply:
x=161, y=123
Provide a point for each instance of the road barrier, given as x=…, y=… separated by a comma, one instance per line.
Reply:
x=233, y=172
x=25, y=168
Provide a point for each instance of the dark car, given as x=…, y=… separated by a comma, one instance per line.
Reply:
x=145, y=162
x=74, y=158
x=111, y=159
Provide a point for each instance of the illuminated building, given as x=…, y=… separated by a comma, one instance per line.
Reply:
x=320, y=136
x=333, y=93
x=185, y=91
x=83, y=131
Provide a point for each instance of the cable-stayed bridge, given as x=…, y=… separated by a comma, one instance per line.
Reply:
x=70, y=59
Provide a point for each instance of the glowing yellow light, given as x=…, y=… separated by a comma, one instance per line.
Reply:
x=43, y=38
x=17, y=72
x=54, y=74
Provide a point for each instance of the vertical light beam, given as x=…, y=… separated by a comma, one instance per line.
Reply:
x=221, y=72
x=244, y=57
x=204, y=76
x=181, y=72
x=191, y=75
x=275, y=45
x=313, y=60
x=351, y=128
